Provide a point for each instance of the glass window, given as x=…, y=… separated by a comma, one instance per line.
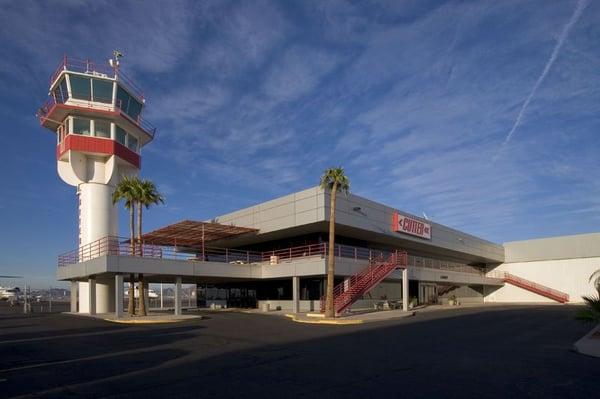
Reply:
x=80, y=87
x=120, y=135
x=102, y=128
x=128, y=104
x=132, y=142
x=60, y=92
x=81, y=126
x=135, y=107
x=122, y=99
x=102, y=90
x=64, y=89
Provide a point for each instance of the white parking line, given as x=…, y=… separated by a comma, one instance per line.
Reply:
x=51, y=337
x=81, y=359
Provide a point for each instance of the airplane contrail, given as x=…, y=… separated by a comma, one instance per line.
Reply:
x=581, y=5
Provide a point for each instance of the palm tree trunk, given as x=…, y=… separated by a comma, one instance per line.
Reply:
x=141, y=287
x=329, y=310
x=131, y=304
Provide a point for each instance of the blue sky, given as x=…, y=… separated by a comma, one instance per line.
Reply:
x=418, y=100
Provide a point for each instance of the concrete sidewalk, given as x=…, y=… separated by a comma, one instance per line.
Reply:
x=151, y=318
x=359, y=318
x=590, y=343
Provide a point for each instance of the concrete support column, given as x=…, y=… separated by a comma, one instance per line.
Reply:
x=177, y=296
x=296, y=294
x=119, y=296
x=74, y=285
x=92, y=296
x=161, y=296
x=405, y=290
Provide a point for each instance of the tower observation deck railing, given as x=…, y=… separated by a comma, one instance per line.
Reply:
x=120, y=246
x=97, y=104
x=99, y=70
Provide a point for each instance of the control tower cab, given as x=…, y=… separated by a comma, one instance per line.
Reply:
x=96, y=113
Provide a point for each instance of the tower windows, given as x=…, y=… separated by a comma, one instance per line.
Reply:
x=82, y=126
x=81, y=88
x=101, y=128
x=60, y=93
x=102, y=90
x=84, y=88
x=121, y=135
x=132, y=143
x=128, y=104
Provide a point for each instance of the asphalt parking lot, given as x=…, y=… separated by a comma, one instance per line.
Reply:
x=499, y=352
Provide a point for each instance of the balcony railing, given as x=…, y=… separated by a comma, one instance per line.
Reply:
x=89, y=67
x=97, y=104
x=119, y=246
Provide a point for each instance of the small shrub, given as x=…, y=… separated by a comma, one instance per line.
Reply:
x=591, y=313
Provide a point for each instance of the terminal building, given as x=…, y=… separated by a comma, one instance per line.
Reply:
x=275, y=253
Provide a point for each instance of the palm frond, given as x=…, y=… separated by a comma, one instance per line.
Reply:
x=592, y=311
x=335, y=176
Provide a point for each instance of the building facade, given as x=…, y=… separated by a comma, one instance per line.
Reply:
x=276, y=253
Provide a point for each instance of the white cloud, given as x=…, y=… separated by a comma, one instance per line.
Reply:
x=298, y=73
x=243, y=37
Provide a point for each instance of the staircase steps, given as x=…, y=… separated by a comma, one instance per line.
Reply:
x=531, y=286
x=352, y=289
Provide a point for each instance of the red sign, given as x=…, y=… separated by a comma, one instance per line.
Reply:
x=408, y=225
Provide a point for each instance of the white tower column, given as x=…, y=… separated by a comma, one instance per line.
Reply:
x=98, y=217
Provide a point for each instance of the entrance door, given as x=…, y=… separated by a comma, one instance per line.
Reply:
x=427, y=293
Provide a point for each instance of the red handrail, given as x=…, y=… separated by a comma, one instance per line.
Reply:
x=280, y=255
x=347, y=292
x=89, y=67
x=530, y=285
x=47, y=107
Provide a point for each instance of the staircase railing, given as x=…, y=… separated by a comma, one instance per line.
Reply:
x=354, y=287
x=529, y=285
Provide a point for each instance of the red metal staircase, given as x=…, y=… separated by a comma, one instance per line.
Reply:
x=529, y=285
x=347, y=292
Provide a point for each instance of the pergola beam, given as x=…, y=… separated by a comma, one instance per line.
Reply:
x=193, y=233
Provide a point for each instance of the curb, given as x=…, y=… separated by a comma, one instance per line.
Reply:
x=141, y=321
x=316, y=320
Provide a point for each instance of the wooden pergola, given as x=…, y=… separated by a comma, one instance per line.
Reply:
x=191, y=233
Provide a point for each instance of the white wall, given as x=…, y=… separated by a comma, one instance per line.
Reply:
x=567, y=275
x=287, y=305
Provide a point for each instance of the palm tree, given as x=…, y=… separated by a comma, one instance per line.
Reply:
x=335, y=180
x=126, y=191
x=146, y=194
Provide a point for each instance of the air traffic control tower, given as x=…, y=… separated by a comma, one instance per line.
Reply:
x=96, y=113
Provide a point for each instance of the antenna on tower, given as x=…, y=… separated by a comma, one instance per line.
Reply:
x=114, y=62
